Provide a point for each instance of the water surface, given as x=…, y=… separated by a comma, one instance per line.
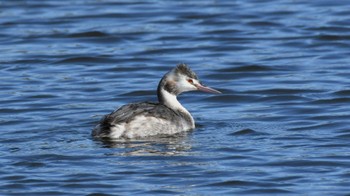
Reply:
x=280, y=126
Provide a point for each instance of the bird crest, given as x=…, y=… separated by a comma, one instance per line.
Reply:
x=182, y=68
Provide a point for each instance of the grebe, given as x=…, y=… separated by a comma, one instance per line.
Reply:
x=168, y=117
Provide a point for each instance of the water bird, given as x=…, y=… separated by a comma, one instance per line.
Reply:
x=167, y=117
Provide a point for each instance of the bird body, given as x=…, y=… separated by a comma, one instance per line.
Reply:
x=168, y=117
x=144, y=119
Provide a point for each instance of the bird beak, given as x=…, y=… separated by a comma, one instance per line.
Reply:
x=206, y=89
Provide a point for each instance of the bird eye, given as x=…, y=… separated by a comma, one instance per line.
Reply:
x=190, y=81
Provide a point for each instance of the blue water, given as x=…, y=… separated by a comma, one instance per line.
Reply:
x=281, y=125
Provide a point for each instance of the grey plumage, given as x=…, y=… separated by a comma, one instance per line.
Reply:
x=129, y=112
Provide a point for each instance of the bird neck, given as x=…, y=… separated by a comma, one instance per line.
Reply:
x=167, y=95
x=169, y=99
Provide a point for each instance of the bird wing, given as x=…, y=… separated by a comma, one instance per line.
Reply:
x=128, y=112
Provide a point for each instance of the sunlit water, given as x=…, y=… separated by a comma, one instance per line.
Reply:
x=281, y=125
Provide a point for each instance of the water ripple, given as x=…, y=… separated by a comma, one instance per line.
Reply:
x=280, y=125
